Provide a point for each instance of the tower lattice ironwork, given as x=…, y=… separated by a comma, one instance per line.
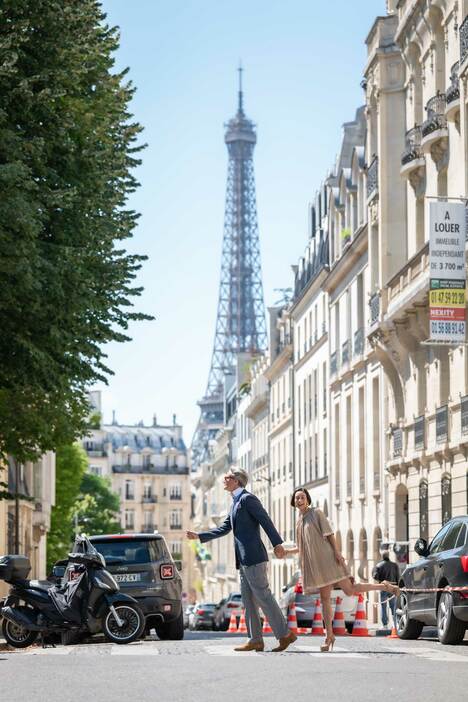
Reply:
x=240, y=323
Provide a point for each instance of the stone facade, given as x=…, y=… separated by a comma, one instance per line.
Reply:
x=149, y=469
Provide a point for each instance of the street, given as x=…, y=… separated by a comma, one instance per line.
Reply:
x=204, y=667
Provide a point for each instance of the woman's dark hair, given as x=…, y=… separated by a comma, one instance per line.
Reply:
x=306, y=493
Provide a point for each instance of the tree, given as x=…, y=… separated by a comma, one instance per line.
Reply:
x=70, y=468
x=68, y=145
x=97, y=506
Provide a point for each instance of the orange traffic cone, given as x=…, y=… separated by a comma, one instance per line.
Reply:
x=339, y=627
x=266, y=626
x=317, y=622
x=303, y=630
x=242, y=625
x=393, y=634
x=232, y=624
x=292, y=619
x=360, y=621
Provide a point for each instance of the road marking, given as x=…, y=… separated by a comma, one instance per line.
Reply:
x=337, y=652
x=134, y=649
x=431, y=654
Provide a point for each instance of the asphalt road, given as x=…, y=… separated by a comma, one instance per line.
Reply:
x=204, y=668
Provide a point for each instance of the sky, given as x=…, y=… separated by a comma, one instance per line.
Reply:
x=303, y=63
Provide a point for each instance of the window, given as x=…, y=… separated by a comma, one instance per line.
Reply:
x=148, y=519
x=452, y=536
x=146, y=460
x=175, y=492
x=147, y=490
x=175, y=519
x=129, y=490
x=95, y=470
x=446, y=498
x=461, y=541
x=129, y=519
x=423, y=509
x=437, y=540
x=176, y=550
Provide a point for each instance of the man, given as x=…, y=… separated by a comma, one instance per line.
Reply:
x=386, y=570
x=244, y=519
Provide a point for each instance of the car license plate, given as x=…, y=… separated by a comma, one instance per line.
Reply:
x=128, y=577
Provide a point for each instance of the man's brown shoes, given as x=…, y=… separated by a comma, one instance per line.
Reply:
x=250, y=646
x=284, y=642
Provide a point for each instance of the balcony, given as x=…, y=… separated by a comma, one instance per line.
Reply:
x=175, y=526
x=359, y=342
x=373, y=178
x=434, y=128
x=374, y=308
x=345, y=353
x=452, y=95
x=175, y=497
x=149, y=499
x=334, y=363
x=463, y=35
x=148, y=528
x=412, y=157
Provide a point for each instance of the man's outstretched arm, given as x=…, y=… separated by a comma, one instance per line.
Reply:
x=222, y=530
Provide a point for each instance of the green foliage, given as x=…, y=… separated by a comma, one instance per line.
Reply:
x=70, y=468
x=346, y=233
x=97, y=506
x=68, y=145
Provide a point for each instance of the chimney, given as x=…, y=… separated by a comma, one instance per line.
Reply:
x=155, y=420
x=114, y=420
x=174, y=419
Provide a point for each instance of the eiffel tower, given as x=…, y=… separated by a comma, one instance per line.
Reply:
x=240, y=324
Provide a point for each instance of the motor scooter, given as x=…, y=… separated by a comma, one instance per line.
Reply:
x=87, y=603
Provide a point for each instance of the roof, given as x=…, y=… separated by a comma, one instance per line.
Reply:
x=138, y=438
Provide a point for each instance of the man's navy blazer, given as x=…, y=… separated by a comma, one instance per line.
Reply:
x=245, y=518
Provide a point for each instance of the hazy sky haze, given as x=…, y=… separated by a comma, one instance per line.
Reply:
x=303, y=64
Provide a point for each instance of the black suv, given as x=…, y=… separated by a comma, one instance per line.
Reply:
x=443, y=563
x=144, y=569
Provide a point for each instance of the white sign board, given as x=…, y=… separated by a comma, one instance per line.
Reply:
x=447, y=237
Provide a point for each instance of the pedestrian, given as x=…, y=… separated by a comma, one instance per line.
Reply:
x=244, y=519
x=386, y=570
x=322, y=565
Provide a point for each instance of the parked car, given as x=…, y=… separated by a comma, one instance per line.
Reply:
x=187, y=612
x=305, y=604
x=443, y=563
x=232, y=604
x=144, y=569
x=202, y=616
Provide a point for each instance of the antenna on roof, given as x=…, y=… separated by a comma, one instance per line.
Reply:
x=155, y=420
x=114, y=420
x=240, y=69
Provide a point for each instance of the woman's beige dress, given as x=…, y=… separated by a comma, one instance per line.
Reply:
x=316, y=557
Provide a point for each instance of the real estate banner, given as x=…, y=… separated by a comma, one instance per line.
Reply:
x=447, y=287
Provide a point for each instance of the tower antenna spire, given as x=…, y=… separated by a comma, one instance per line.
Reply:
x=241, y=95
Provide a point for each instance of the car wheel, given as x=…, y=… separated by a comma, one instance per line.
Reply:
x=450, y=630
x=406, y=628
x=172, y=631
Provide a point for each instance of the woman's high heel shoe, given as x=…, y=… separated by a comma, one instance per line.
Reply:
x=327, y=647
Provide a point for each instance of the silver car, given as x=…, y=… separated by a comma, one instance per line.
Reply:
x=305, y=604
x=232, y=604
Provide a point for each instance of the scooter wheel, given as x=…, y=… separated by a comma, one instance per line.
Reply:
x=131, y=627
x=17, y=636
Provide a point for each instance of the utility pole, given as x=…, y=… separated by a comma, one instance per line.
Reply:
x=17, y=513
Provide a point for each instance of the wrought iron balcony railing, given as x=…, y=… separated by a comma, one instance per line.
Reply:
x=463, y=35
x=374, y=305
x=436, y=119
x=359, y=342
x=372, y=176
x=149, y=499
x=412, y=145
x=453, y=91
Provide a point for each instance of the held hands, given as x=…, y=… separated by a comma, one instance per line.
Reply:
x=191, y=535
x=279, y=551
x=340, y=559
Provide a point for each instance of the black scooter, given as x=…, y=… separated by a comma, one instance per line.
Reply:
x=88, y=603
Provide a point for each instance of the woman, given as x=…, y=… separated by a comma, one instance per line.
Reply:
x=322, y=565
